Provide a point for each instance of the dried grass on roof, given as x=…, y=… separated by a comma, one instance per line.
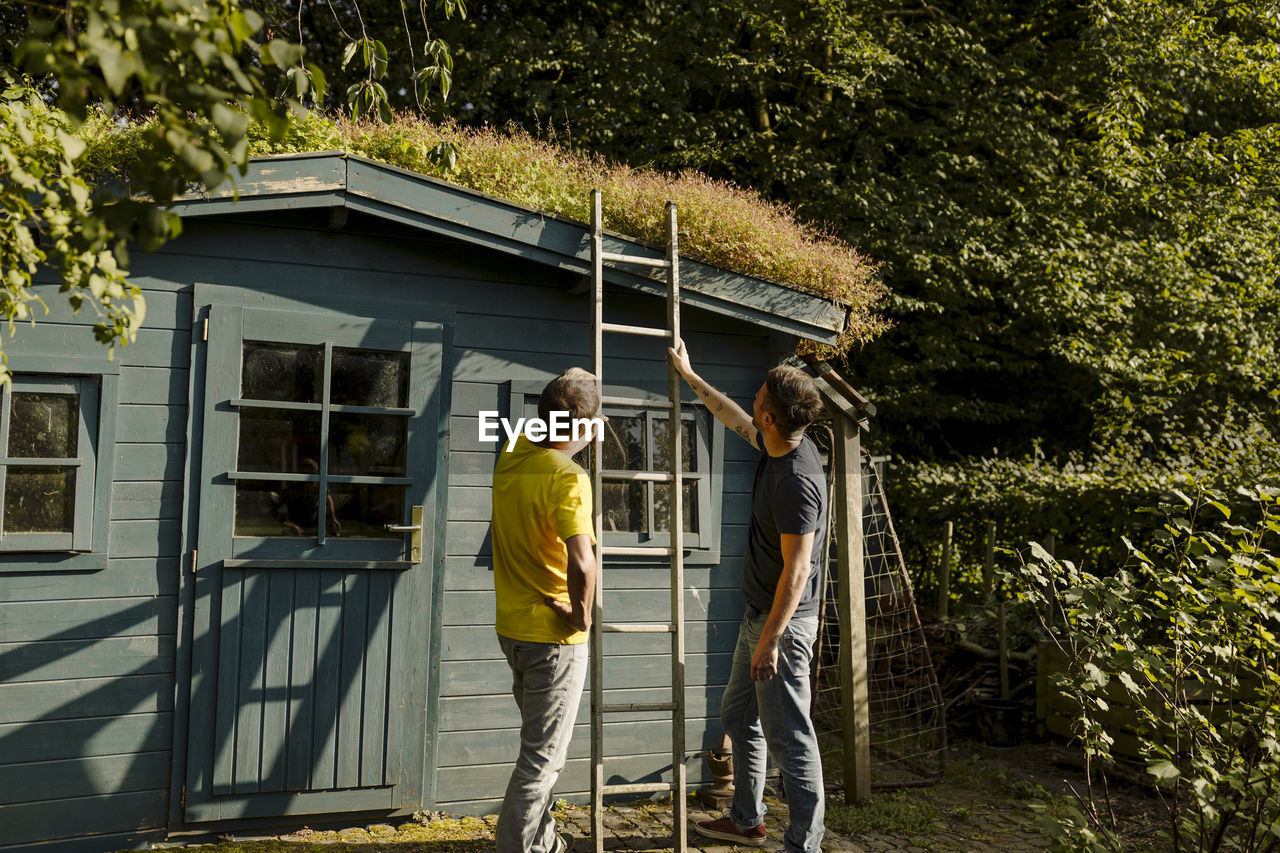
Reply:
x=722, y=224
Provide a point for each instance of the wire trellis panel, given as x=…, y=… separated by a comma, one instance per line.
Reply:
x=907, y=714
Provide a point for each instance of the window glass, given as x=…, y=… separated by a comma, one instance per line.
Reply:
x=49, y=498
x=276, y=509
x=363, y=511
x=39, y=499
x=369, y=378
x=282, y=372
x=626, y=448
x=286, y=440
x=44, y=425
x=367, y=445
x=662, y=508
x=624, y=444
x=662, y=448
x=279, y=440
x=623, y=507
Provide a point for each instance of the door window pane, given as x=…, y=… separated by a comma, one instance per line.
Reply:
x=367, y=445
x=363, y=511
x=279, y=441
x=283, y=372
x=276, y=509
x=39, y=499
x=44, y=425
x=369, y=378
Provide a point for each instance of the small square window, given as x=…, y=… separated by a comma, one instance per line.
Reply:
x=48, y=464
x=634, y=504
x=639, y=440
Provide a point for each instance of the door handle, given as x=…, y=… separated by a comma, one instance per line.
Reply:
x=414, y=530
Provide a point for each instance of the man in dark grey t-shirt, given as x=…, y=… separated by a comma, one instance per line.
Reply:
x=766, y=702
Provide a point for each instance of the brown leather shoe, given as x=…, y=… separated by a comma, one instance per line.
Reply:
x=722, y=828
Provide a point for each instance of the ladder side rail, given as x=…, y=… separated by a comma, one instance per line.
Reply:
x=676, y=528
x=597, y=486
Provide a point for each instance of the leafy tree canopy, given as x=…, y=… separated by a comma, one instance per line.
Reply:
x=1075, y=200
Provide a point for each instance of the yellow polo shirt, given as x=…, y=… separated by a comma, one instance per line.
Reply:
x=541, y=497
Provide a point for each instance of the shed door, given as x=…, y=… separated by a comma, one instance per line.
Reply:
x=309, y=669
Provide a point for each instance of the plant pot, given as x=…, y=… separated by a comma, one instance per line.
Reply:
x=999, y=722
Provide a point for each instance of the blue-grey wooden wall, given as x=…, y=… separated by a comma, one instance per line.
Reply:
x=90, y=744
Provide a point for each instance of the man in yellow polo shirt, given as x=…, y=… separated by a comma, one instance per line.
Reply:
x=544, y=577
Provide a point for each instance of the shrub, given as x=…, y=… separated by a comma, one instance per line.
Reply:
x=1184, y=635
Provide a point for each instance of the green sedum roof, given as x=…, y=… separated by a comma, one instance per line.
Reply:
x=720, y=224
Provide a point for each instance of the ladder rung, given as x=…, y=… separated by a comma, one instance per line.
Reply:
x=614, y=257
x=635, y=402
x=637, y=788
x=637, y=628
x=635, y=551
x=646, y=331
x=643, y=476
x=637, y=706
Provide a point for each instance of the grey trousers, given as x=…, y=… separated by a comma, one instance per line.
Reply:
x=546, y=681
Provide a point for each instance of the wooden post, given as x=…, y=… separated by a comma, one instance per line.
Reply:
x=944, y=573
x=1002, y=646
x=989, y=569
x=853, y=612
x=1050, y=614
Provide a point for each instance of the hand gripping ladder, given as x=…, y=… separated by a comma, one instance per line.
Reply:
x=674, y=551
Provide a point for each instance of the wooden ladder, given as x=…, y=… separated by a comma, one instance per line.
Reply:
x=675, y=551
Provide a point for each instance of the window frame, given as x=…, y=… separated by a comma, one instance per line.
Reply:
x=700, y=548
x=231, y=327
x=96, y=381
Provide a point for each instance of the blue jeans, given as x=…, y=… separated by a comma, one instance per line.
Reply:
x=546, y=681
x=775, y=714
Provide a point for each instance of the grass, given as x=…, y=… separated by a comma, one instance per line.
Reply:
x=997, y=779
x=720, y=223
x=898, y=813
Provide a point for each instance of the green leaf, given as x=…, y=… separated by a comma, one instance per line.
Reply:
x=349, y=53
x=244, y=24
x=281, y=53
x=117, y=66
x=1164, y=770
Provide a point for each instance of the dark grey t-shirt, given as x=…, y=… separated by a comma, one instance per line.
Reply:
x=789, y=496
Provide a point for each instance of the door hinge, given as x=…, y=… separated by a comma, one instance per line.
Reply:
x=195, y=553
x=182, y=797
x=204, y=331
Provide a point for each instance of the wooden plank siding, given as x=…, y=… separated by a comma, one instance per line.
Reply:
x=87, y=660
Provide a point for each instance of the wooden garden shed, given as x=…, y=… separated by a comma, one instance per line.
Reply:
x=208, y=644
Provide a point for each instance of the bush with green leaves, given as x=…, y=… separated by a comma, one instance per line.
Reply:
x=1184, y=636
